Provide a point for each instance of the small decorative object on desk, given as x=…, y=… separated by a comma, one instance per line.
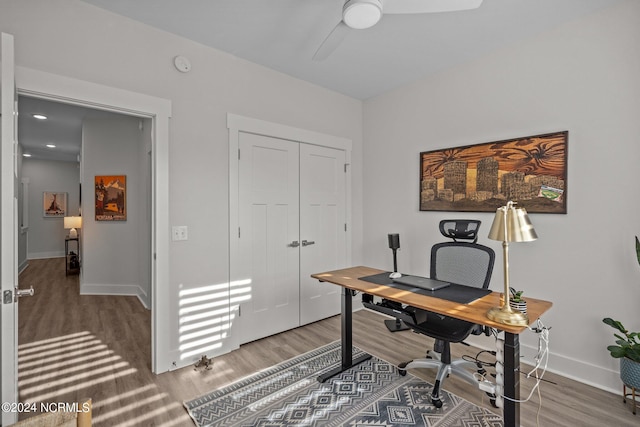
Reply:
x=517, y=302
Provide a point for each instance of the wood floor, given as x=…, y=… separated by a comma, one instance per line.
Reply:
x=73, y=346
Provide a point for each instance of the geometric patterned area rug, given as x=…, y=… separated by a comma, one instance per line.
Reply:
x=371, y=394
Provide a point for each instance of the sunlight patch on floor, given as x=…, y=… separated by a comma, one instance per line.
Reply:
x=86, y=360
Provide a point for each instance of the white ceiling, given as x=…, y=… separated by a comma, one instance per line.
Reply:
x=63, y=128
x=284, y=35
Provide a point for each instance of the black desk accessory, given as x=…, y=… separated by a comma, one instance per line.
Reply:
x=394, y=325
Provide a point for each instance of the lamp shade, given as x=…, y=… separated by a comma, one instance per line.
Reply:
x=516, y=227
x=72, y=222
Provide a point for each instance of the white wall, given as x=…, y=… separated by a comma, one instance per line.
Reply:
x=45, y=237
x=111, y=258
x=74, y=39
x=582, y=77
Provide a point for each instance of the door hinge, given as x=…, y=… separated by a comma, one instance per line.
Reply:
x=345, y=226
x=238, y=154
x=238, y=232
x=345, y=167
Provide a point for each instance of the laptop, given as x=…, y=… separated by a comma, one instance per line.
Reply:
x=421, y=282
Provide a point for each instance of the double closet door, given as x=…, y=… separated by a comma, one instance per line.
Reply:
x=292, y=223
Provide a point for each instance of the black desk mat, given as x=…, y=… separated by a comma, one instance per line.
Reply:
x=454, y=292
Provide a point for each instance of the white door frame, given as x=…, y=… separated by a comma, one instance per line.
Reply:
x=53, y=87
x=237, y=124
x=8, y=231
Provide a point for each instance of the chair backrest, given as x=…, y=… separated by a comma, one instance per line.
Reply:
x=464, y=263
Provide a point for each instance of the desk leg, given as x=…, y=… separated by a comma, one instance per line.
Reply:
x=347, y=339
x=511, y=379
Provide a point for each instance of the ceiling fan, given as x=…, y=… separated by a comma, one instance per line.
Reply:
x=361, y=14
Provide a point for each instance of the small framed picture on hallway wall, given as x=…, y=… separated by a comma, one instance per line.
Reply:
x=54, y=204
x=111, y=197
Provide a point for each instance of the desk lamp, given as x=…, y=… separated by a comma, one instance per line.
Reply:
x=73, y=222
x=510, y=224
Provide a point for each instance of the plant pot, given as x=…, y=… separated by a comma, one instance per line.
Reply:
x=630, y=372
x=521, y=306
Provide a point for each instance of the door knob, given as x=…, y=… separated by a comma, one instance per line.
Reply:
x=294, y=244
x=308, y=242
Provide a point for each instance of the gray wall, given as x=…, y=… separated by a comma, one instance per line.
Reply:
x=45, y=237
x=111, y=256
x=582, y=77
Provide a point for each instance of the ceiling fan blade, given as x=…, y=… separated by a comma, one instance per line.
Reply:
x=428, y=6
x=332, y=42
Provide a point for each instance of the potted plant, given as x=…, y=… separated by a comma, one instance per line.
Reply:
x=517, y=302
x=627, y=349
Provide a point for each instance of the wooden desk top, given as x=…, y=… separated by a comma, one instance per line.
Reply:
x=473, y=312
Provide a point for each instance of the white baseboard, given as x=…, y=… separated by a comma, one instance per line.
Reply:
x=120, y=290
x=44, y=255
x=23, y=266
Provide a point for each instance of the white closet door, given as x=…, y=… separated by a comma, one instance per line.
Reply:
x=322, y=226
x=269, y=224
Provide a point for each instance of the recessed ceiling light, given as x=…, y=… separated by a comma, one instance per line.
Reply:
x=51, y=145
x=39, y=116
x=26, y=155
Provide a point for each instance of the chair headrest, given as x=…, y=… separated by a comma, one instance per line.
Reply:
x=460, y=229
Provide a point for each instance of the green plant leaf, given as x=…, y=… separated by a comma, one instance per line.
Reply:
x=614, y=324
x=616, y=351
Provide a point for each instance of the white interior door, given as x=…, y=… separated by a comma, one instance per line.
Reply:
x=322, y=228
x=268, y=234
x=8, y=229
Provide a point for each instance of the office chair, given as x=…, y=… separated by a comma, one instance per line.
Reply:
x=462, y=261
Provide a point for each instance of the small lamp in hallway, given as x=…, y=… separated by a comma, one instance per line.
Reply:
x=73, y=222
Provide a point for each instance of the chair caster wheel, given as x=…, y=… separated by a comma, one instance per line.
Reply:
x=402, y=372
x=436, y=402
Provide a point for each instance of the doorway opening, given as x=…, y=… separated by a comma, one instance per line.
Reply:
x=69, y=339
x=156, y=112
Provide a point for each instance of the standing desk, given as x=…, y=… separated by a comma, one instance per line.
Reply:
x=474, y=312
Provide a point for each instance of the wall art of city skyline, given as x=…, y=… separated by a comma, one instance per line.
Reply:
x=531, y=171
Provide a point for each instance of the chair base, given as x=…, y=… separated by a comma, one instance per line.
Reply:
x=459, y=368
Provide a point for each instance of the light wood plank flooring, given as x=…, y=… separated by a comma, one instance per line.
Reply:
x=74, y=346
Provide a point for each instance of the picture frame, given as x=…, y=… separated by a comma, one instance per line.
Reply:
x=110, y=197
x=54, y=204
x=531, y=171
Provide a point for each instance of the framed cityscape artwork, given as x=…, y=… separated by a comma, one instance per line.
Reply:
x=54, y=204
x=111, y=197
x=531, y=171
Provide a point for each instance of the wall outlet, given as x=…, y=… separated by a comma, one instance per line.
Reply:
x=179, y=232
